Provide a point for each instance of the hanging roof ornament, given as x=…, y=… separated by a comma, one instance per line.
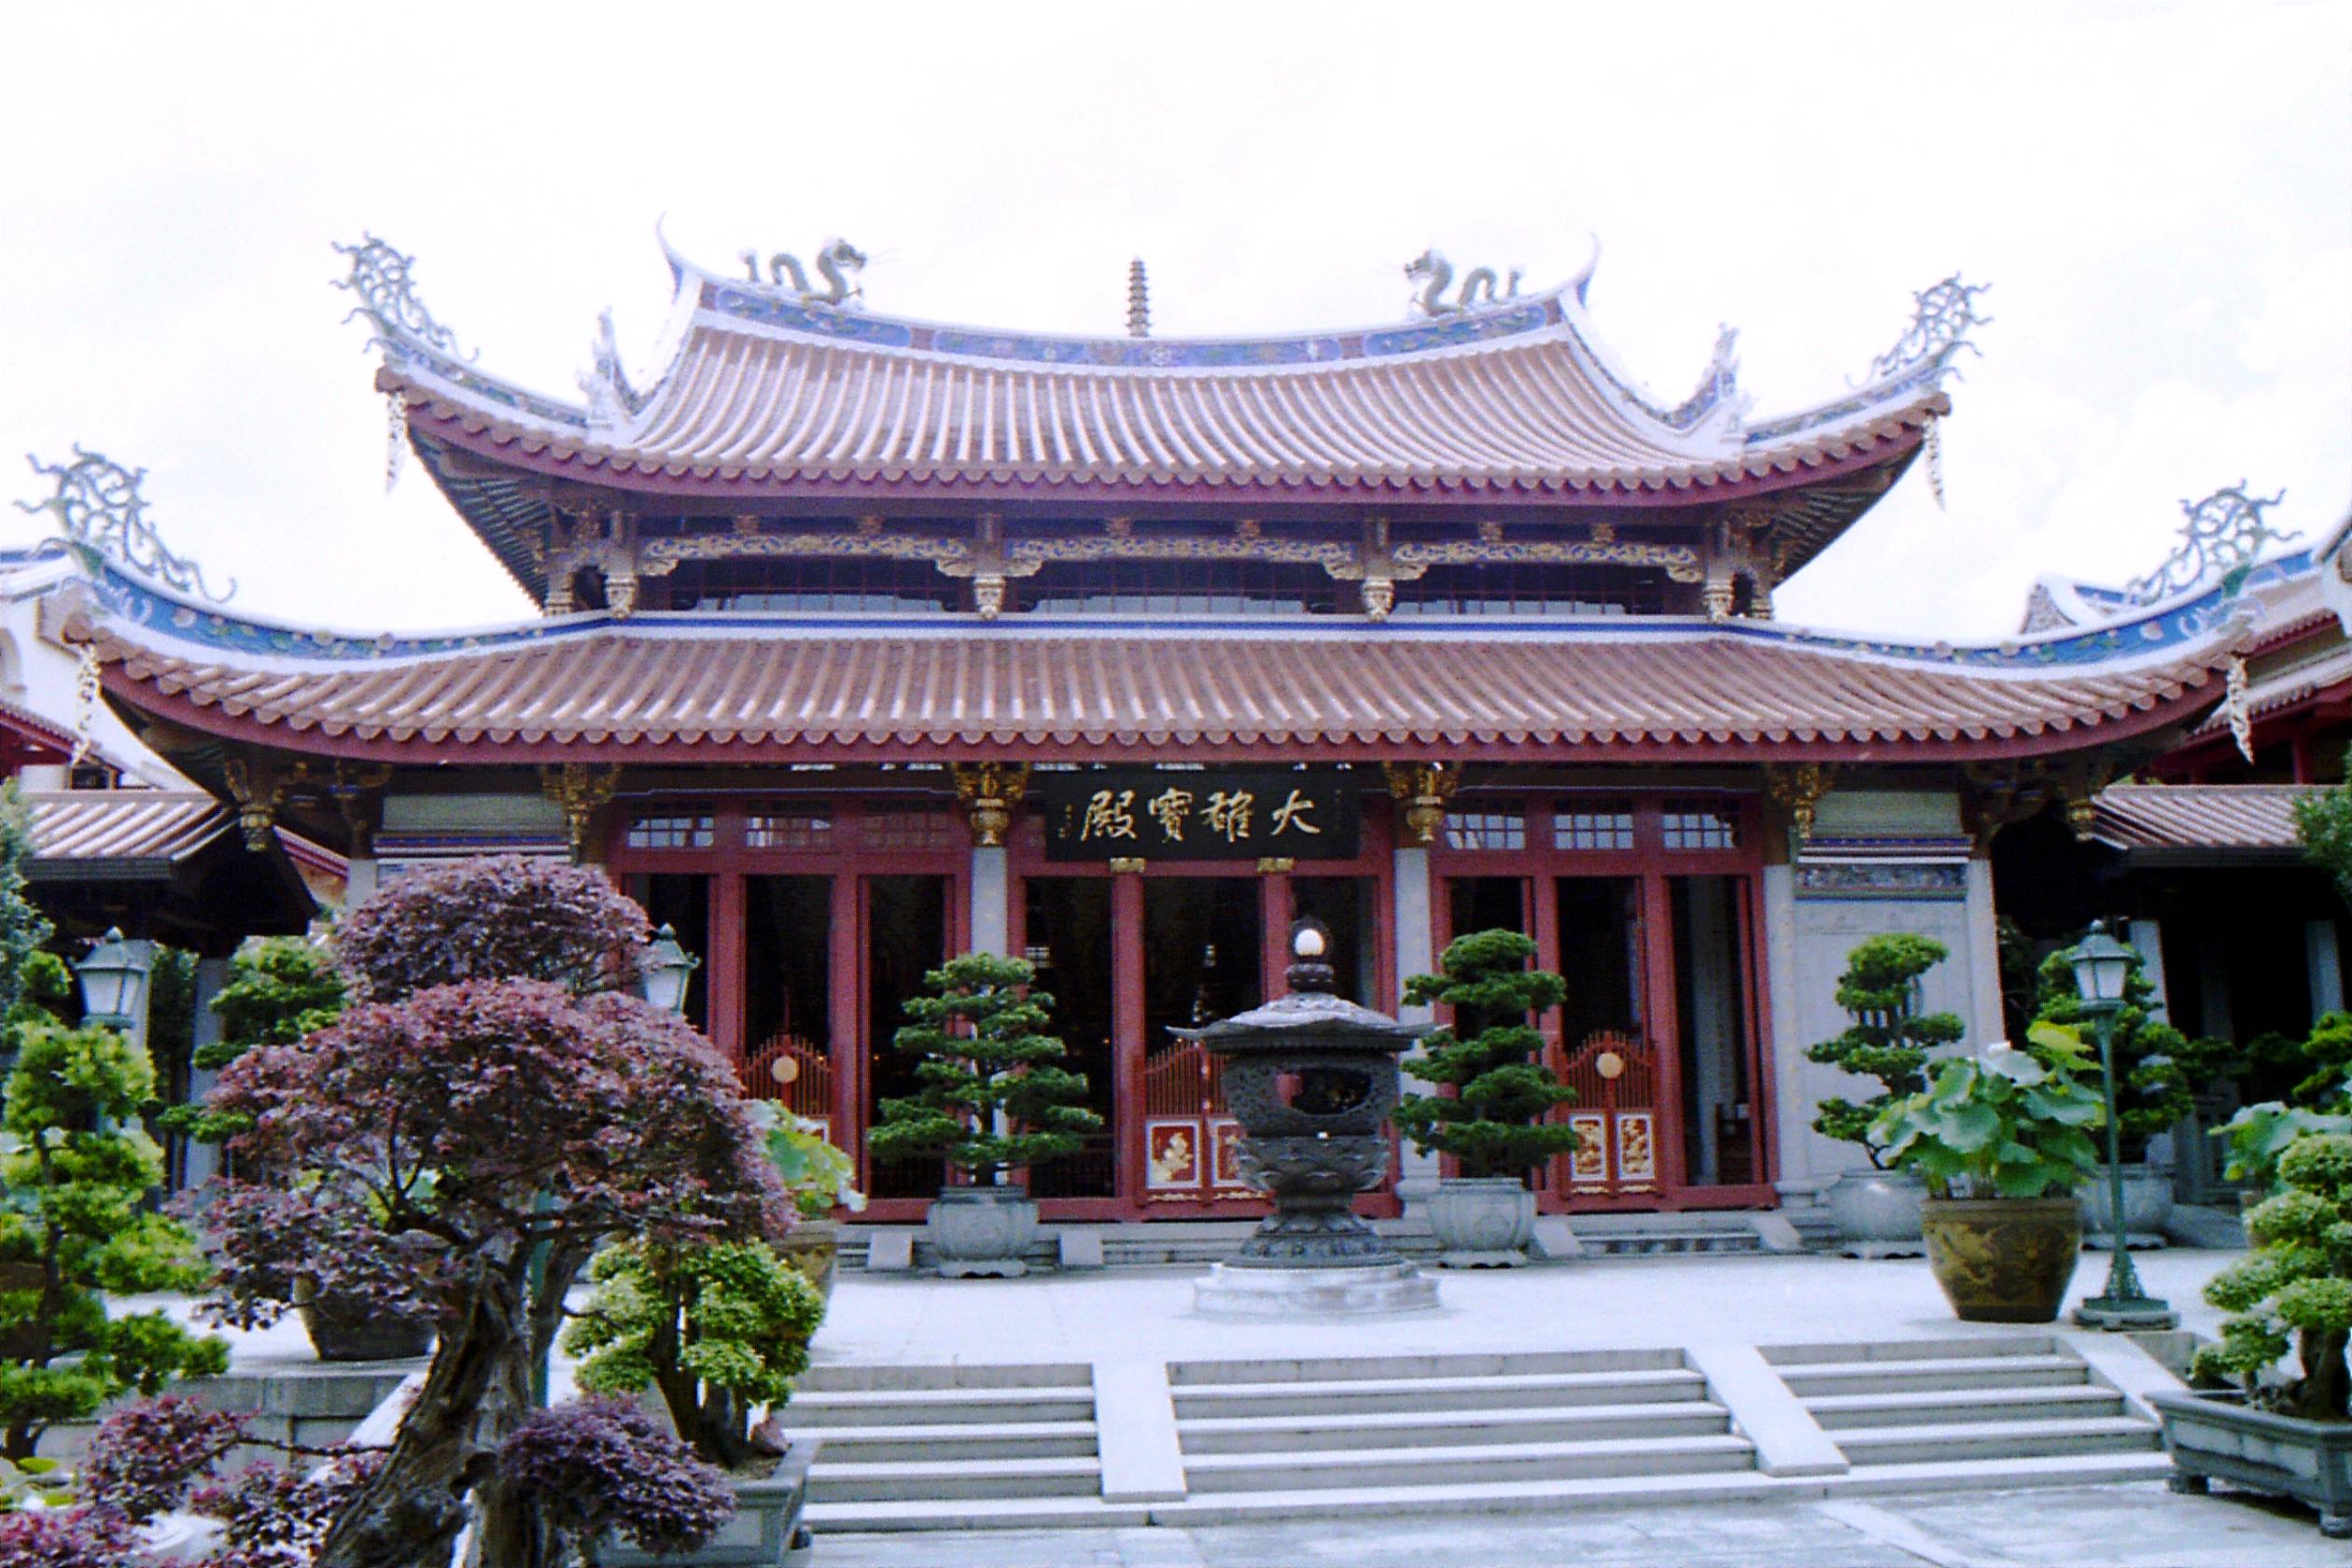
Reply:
x=1942, y=315
x=382, y=278
x=2225, y=533
x=98, y=509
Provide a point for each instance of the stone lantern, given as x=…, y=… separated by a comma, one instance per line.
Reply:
x=1311, y=1077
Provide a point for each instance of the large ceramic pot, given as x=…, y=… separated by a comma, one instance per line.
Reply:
x=2003, y=1259
x=814, y=1248
x=1877, y=1212
x=1482, y=1222
x=2147, y=1203
x=766, y=1532
x=344, y=1331
x=981, y=1231
x=2210, y=1435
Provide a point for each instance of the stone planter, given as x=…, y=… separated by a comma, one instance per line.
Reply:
x=814, y=1248
x=2211, y=1436
x=766, y=1532
x=1482, y=1222
x=977, y=1232
x=340, y=1333
x=1877, y=1212
x=2003, y=1260
x=2147, y=1203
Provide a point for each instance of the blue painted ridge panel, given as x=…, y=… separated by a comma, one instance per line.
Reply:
x=2181, y=625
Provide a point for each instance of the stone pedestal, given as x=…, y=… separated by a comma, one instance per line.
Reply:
x=1242, y=1291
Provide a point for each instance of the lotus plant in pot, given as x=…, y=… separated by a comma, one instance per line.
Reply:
x=1495, y=1096
x=2002, y=1141
x=992, y=1099
x=1890, y=1038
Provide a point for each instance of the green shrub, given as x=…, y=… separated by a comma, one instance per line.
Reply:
x=1495, y=1121
x=1889, y=1039
x=2294, y=1291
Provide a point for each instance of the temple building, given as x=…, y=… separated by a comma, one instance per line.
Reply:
x=867, y=640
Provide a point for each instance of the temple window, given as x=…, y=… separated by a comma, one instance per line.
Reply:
x=1699, y=825
x=776, y=828
x=1486, y=830
x=926, y=831
x=1594, y=825
x=671, y=831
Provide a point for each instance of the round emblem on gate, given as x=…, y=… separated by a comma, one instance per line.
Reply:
x=1608, y=1064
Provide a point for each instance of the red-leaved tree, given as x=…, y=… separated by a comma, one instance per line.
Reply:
x=480, y=1140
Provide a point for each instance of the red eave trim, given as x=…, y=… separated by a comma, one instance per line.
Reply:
x=506, y=447
x=972, y=744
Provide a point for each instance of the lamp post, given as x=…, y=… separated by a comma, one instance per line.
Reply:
x=667, y=973
x=2103, y=970
x=114, y=981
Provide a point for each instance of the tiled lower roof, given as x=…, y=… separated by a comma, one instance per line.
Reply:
x=161, y=826
x=1675, y=689
x=2199, y=817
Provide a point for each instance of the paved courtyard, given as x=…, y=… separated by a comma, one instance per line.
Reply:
x=1587, y=1304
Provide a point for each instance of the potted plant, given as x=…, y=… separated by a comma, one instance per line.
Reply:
x=1878, y=1209
x=2290, y=1435
x=1495, y=1096
x=2156, y=1067
x=993, y=1099
x=2002, y=1141
x=821, y=1177
x=718, y=1330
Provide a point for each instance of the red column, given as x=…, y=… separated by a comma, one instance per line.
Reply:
x=1128, y=1044
x=845, y=1012
x=1274, y=923
x=723, y=983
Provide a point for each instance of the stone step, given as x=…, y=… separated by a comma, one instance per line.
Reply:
x=868, y=1407
x=1406, y=1467
x=892, y=1443
x=1933, y=1375
x=1664, y=1242
x=969, y=1514
x=2019, y=1439
x=927, y=1480
x=2058, y=1402
x=1431, y=1501
x=1290, y=1433
x=1989, y=1475
x=1354, y=1369
x=946, y=1375
x=1973, y=1346
x=1421, y=1394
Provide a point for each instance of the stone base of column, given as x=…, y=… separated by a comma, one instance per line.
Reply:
x=1367, y=1291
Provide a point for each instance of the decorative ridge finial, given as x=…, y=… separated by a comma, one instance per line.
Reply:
x=385, y=280
x=2225, y=533
x=1139, y=301
x=1941, y=315
x=98, y=508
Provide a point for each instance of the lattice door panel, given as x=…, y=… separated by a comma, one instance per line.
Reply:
x=790, y=1070
x=1190, y=1143
x=1614, y=1114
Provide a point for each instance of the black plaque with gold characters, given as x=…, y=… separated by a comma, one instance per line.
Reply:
x=1215, y=813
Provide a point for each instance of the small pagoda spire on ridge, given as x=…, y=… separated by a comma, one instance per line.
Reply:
x=1139, y=301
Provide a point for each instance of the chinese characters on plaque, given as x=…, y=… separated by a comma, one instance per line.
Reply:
x=1212, y=814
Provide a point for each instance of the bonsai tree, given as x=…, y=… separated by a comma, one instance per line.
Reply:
x=2008, y=1124
x=2297, y=1282
x=992, y=1096
x=596, y=1465
x=1889, y=1039
x=720, y=1329
x=74, y=1185
x=477, y=1139
x=2153, y=1060
x=1494, y=1122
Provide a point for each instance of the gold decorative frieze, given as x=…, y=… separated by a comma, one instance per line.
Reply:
x=1992, y=795
x=1276, y=866
x=1128, y=864
x=989, y=791
x=1422, y=791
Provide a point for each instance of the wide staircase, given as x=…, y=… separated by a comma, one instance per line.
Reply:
x=2013, y=1405
x=1282, y=1439
x=967, y=1447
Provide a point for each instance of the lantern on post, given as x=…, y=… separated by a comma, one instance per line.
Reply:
x=667, y=971
x=2103, y=972
x=114, y=980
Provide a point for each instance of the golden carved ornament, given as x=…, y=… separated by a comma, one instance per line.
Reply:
x=1420, y=791
x=1276, y=866
x=581, y=790
x=989, y=791
x=259, y=790
x=1800, y=789
x=1124, y=863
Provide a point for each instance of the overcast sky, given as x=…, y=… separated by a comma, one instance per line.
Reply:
x=2160, y=194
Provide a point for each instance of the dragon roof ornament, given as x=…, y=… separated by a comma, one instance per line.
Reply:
x=99, y=509
x=384, y=280
x=2224, y=534
x=1942, y=315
